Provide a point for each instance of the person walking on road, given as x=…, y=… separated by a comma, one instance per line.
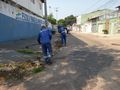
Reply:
x=44, y=39
x=62, y=31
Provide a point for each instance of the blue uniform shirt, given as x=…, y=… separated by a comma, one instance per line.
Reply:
x=45, y=36
x=62, y=30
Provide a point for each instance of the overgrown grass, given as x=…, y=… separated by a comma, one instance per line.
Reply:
x=37, y=70
x=29, y=51
x=1, y=65
x=26, y=51
x=17, y=71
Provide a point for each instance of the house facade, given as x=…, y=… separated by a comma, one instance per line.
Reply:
x=20, y=19
x=98, y=21
x=88, y=22
x=109, y=22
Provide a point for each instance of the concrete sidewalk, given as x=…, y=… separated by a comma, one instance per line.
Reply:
x=111, y=41
x=8, y=50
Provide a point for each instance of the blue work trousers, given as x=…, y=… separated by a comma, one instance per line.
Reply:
x=47, y=50
x=63, y=39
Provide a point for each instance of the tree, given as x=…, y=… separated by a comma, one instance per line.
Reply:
x=51, y=19
x=61, y=22
x=70, y=20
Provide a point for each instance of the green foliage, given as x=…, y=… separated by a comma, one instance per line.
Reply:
x=1, y=65
x=51, y=19
x=25, y=51
x=61, y=22
x=37, y=70
x=17, y=71
x=69, y=20
x=105, y=31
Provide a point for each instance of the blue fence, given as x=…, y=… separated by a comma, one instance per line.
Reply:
x=12, y=29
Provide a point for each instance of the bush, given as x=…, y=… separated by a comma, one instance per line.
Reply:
x=105, y=31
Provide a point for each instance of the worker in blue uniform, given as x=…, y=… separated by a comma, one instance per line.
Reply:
x=44, y=39
x=62, y=31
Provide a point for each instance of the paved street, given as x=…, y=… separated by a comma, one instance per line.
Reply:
x=89, y=61
x=85, y=64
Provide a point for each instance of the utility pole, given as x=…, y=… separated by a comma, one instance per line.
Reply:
x=56, y=10
x=45, y=9
x=50, y=10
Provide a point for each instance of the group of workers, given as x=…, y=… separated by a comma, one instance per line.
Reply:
x=44, y=39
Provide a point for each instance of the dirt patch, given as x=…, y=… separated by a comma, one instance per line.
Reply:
x=19, y=70
x=95, y=84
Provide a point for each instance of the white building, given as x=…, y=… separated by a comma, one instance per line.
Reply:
x=86, y=27
x=20, y=18
x=78, y=20
x=35, y=6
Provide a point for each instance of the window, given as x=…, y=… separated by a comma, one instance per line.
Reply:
x=33, y=1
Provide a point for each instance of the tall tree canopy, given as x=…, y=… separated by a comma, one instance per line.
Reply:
x=51, y=19
x=69, y=20
x=61, y=22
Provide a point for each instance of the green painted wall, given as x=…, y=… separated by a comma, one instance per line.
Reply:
x=94, y=14
x=114, y=26
x=100, y=26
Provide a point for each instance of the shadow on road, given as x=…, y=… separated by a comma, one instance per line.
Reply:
x=88, y=65
x=74, y=66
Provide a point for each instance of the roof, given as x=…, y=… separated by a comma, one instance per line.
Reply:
x=118, y=7
x=42, y=1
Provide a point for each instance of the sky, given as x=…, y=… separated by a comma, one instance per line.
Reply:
x=72, y=7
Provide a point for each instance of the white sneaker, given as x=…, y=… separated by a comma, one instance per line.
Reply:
x=49, y=56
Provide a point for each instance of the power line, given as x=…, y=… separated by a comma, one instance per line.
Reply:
x=93, y=5
x=102, y=6
x=113, y=4
x=109, y=4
